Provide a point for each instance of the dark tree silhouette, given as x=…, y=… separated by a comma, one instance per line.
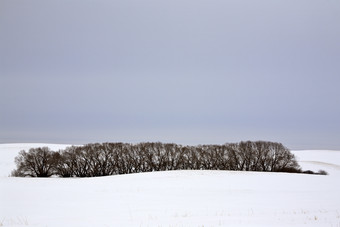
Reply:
x=37, y=162
x=103, y=159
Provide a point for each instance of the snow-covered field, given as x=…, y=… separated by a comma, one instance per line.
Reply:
x=174, y=198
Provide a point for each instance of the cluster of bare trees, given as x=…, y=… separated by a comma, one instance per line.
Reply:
x=103, y=159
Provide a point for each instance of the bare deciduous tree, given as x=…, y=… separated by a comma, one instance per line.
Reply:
x=37, y=162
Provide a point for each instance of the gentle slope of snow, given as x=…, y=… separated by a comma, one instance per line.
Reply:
x=319, y=159
x=174, y=198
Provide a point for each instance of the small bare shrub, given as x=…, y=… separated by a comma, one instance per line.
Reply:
x=322, y=172
x=308, y=172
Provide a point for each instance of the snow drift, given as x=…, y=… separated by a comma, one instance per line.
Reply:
x=174, y=198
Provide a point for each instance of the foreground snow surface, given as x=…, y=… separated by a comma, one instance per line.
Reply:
x=174, y=198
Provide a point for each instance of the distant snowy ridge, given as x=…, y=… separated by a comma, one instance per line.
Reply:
x=315, y=160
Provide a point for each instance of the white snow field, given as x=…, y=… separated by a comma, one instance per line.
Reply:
x=174, y=198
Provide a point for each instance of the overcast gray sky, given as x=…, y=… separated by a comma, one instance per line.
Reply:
x=184, y=71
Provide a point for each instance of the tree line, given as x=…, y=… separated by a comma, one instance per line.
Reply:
x=104, y=159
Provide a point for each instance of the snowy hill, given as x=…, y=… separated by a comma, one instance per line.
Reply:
x=174, y=198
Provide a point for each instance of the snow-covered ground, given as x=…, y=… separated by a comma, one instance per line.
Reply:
x=174, y=198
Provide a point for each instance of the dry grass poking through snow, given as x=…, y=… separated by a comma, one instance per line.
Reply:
x=18, y=221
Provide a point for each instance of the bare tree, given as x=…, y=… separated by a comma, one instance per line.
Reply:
x=37, y=162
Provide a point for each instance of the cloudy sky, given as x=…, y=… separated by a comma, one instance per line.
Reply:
x=184, y=71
